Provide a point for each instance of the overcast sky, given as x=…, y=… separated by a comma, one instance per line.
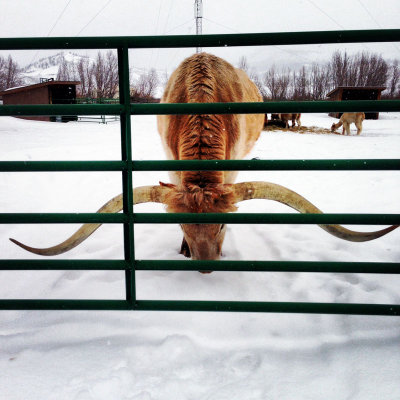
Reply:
x=41, y=18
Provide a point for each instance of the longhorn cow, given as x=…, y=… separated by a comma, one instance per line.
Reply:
x=205, y=78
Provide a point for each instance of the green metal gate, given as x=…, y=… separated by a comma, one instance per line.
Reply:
x=128, y=218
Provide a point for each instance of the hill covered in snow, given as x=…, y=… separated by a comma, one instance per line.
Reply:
x=48, y=67
x=66, y=66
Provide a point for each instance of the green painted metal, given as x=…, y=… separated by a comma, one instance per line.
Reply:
x=205, y=265
x=274, y=218
x=209, y=306
x=175, y=41
x=192, y=218
x=275, y=307
x=203, y=108
x=267, y=107
x=126, y=153
x=267, y=165
x=269, y=266
x=65, y=304
x=89, y=265
x=61, y=109
x=205, y=165
x=61, y=166
x=62, y=218
x=126, y=165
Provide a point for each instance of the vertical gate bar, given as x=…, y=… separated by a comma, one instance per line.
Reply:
x=126, y=152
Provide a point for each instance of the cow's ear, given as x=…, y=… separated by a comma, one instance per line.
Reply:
x=170, y=185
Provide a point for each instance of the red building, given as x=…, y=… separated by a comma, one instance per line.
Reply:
x=48, y=92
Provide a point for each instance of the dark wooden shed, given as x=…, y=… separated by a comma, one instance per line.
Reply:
x=46, y=92
x=356, y=93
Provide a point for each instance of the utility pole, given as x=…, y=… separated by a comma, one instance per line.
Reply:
x=198, y=15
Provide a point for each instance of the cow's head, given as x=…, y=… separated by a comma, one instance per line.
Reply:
x=205, y=241
x=201, y=241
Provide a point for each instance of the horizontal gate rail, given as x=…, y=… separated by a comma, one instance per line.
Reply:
x=269, y=266
x=266, y=107
x=201, y=218
x=175, y=41
x=260, y=306
x=79, y=265
x=61, y=109
x=204, y=165
x=202, y=265
x=62, y=218
x=61, y=166
x=270, y=218
x=64, y=304
x=268, y=165
x=203, y=108
x=210, y=306
x=126, y=165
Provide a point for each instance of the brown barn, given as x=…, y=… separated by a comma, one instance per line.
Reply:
x=356, y=93
x=46, y=92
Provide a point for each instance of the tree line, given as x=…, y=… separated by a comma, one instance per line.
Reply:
x=316, y=81
x=99, y=77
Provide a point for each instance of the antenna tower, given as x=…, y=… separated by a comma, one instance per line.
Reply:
x=198, y=15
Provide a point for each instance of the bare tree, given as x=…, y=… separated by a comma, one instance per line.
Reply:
x=112, y=81
x=3, y=73
x=243, y=64
x=319, y=82
x=10, y=73
x=85, y=71
x=394, y=80
x=270, y=82
x=283, y=84
x=99, y=76
x=371, y=69
x=361, y=69
x=145, y=87
x=378, y=71
x=301, y=85
x=340, y=67
x=259, y=83
x=105, y=70
x=164, y=79
x=65, y=70
x=277, y=84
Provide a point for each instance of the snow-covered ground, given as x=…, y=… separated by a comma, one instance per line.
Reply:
x=181, y=355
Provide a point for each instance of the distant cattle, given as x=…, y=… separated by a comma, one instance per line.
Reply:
x=285, y=118
x=348, y=118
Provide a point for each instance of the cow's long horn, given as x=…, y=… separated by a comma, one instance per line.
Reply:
x=142, y=194
x=271, y=191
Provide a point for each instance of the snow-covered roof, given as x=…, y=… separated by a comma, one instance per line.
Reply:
x=37, y=85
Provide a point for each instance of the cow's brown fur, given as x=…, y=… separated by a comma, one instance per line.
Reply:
x=205, y=78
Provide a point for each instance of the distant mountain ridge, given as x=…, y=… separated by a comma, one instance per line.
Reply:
x=47, y=67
